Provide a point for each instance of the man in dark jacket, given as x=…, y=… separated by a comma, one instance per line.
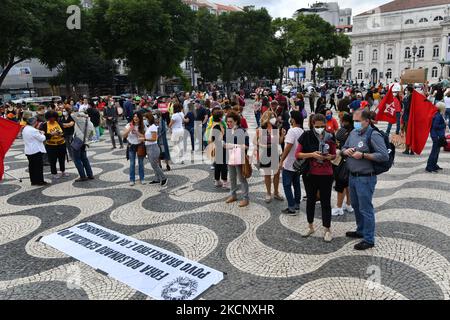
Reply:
x=112, y=121
x=94, y=116
x=437, y=133
x=129, y=109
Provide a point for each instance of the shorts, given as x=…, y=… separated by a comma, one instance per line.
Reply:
x=340, y=186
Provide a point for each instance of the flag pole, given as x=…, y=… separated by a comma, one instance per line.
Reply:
x=10, y=175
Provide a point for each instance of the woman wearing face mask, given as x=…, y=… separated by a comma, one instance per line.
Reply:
x=68, y=127
x=55, y=144
x=341, y=186
x=34, y=149
x=267, y=141
x=237, y=144
x=134, y=132
x=319, y=148
x=332, y=124
x=398, y=113
x=437, y=134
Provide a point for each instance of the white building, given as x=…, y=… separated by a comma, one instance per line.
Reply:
x=400, y=35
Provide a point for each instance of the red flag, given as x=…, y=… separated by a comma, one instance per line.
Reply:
x=8, y=133
x=421, y=115
x=386, y=109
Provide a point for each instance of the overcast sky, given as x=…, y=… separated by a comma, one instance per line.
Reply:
x=286, y=8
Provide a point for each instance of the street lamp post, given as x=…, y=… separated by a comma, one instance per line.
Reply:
x=414, y=51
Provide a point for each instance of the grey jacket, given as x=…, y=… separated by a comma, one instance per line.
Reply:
x=80, y=124
x=359, y=141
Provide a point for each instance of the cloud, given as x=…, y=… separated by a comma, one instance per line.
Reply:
x=286, y=8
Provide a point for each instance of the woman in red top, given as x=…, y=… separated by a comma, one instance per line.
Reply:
x=318, y=147
x=332, y=124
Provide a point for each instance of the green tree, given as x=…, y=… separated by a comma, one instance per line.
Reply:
x=152, y=35
x=322, y=42
x=288, y=43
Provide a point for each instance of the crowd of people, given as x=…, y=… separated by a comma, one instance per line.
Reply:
x=334, y=142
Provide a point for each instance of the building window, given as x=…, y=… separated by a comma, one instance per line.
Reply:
x=434, y=72
x=390, y=55
x=409, y=21
x=422, y=20
x=360, y=74
x=436, y=52
x=375, y=55
x=438, y=18
x=407, y=52
x=389, y=74
x=421, y=53
x=360, y=56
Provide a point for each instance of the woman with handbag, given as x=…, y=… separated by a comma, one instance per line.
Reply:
x=134, y=133
x=318, y=147
x=84, y=131
x=267, y=141
x=340, y=169
x=237, y=143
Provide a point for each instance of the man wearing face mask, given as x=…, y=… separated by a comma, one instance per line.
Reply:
x=363, y=179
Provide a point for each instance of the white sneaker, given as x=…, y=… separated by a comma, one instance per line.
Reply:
x=268, y=198
x=142, y=183
x=349, y=208
x=327, y=237
x=218, y=184
x=226, y=185
x=337, y=212
x=132, y=184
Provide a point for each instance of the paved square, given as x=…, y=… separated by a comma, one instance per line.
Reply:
x=261, y=251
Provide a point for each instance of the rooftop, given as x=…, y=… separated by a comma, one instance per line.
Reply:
x=399, y=5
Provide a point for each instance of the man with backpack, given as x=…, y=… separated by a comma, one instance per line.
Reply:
x=368, y=155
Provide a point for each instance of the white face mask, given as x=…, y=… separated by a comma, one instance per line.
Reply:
x=319, y=130
x=65, y=114
x=273, y=121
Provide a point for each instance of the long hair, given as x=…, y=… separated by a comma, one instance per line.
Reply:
x=141, y=122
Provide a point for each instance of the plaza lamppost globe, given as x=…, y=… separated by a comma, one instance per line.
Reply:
x=414, y=52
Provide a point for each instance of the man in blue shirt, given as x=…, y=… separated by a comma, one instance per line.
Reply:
x=129, y=109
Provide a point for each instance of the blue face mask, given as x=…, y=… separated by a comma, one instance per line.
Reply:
x=329, y=117
x=358, y=126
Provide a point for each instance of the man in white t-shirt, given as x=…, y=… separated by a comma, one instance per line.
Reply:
x=84, y=106
x=290, y=177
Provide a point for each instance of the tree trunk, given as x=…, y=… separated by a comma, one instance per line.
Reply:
x=313, y=75
x=8, y=68
x=281, y=77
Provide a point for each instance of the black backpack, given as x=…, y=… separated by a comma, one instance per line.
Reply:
x=382, y=167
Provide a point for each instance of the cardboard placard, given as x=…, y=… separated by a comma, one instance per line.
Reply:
x=414, y=76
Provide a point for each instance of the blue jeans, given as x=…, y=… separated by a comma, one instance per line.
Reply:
x=82, y=163
x=292, y=179
x=133, y=156
x=434, y=156
x=258, y=118
x=389, y=127
x=97, y=133
x=361, y=194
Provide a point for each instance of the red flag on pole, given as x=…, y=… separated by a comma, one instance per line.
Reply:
x=386, y=109
x=8, y=133
x=420, y=119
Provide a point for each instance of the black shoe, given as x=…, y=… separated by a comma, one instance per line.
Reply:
x=412, y=153
x=431, y=171
x=164, y=183
x=82, y=180
x=439, y=168
x=40, y=184
x=297, y=209
x=406, y=152
x=289, y=212
x=155, y=182
x=168, y=168
x=363, y=246
x=91, y=178
x=353, y=234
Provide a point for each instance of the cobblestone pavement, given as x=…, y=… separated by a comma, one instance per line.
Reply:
x=261, y=251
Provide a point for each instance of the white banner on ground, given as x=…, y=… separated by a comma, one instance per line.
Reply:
x=153, y=271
